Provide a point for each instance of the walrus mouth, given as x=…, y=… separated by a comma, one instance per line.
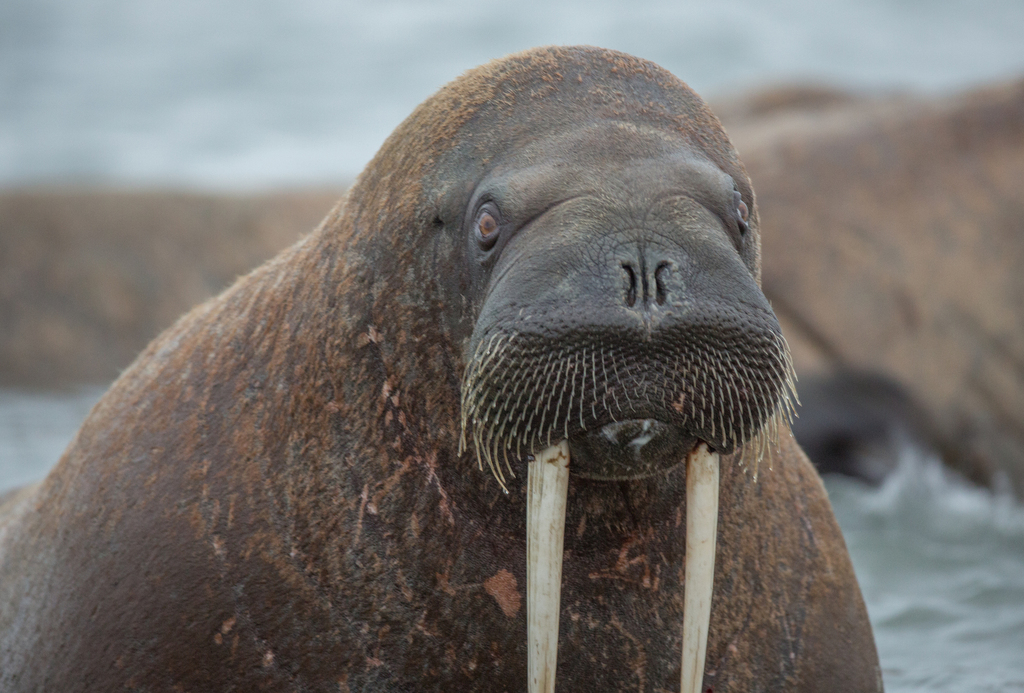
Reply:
x=629, y=408
x=623, y=411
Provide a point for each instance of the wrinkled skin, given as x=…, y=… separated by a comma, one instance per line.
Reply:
x=271, y=497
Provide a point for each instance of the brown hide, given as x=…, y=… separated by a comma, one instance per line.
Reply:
x=270, y=498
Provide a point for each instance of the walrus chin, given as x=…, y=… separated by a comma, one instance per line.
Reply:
x=633, y=448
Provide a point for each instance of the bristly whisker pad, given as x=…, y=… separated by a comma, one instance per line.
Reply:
x=728, y=383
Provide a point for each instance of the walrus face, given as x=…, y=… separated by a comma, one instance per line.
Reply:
x=597, y=256
x=621, y=310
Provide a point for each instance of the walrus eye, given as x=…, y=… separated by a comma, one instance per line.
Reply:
x=741, y=212
x=487, y=228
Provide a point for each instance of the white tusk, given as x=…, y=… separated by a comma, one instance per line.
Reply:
x=547, y=484
x=701, y=536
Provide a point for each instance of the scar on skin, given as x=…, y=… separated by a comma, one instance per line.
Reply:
x=503, y=587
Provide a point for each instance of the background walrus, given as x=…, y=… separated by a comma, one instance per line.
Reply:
x=271, y=496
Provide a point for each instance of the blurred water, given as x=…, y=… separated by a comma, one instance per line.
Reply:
x=249, y=93
x=941, y=564
x=35, y=427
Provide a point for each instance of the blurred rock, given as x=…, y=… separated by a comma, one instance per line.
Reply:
x=894, y=242
x=786, y=102
x=88, y=277
x=862, y=424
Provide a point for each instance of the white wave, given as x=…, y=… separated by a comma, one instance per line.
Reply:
x=941, y=566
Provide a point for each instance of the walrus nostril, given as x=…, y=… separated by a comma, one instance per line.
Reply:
x=660, y=274
x=630, y=284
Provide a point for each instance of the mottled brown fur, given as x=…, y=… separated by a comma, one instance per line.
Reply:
x=270, y=497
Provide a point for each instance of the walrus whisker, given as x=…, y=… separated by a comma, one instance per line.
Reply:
x=583, y=383
x=607, y=388
x=702, y=475
x=503, y=413
x=470, y=405
x=735, y=410
x=499, y=436
x=732, y=407
x=469, y=382
x=777, y=366
x=618, y=382
x=667, y=378
x=520, y=392
x=576, y=376
x=769, y=433
x=495, y=445
x=490, y=450
x=714, y=409
x=480, y=364
x=748, y=431
x=581, y=364
x=483, y=457
x=570, y=377
x=500, y=351
x=477, y=434
x=721, y=408
x=501, y=400
x=547, y=487
x=503, y=419
x=703, y=403
x=561, y=394
x=494, y=348
x=554, y=372
x=524, y=387
x=528, y=388
x=762, y=401
x=550, y=370
x=787, y=355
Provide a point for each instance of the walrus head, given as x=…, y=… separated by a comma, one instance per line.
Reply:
x=621, y=309
x=597, y=250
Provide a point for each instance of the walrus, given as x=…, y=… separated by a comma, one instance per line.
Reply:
x=547, y=277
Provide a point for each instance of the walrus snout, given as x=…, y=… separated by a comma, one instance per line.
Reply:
x=629, y=405
x=631, y=449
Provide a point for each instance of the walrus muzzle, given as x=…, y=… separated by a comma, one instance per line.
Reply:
x=621, y=332
x=621, y=403
x=628, y=406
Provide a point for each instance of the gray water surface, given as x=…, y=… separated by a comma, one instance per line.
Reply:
x=941, y=566
x=941, y=563
x=251, y=93
x=35, y=428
